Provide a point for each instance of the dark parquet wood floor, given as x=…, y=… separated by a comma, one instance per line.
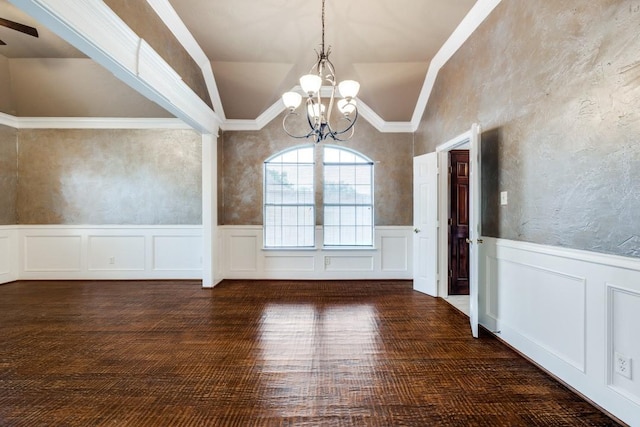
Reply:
x=259, y=353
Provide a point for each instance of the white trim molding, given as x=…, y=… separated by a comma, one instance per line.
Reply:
x=569, y=311
x=90, y=123
x=243, y=257
x=93, y=28
x=120, y=252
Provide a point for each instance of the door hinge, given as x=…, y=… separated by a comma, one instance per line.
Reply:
x=450, y=273
x=450, y=221
x=450, y=169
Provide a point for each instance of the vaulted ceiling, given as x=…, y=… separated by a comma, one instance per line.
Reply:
x=256, y=51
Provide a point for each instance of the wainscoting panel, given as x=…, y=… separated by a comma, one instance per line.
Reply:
x=572, y=312
x=343, y=262
x=624, y=340
x=8, y=254
x=50, y=253
x=177, y=253
x=244, y=257
x=394, y=253
x=116, y=253
x=110, y=252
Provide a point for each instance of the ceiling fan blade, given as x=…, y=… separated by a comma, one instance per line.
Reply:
x=19, y=27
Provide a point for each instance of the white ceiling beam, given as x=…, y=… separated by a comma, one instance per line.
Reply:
x=170, y=17
x=93, y=28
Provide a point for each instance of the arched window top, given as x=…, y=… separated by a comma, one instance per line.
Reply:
x=302, y=154
x=342, y=155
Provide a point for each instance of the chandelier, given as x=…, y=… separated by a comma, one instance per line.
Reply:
x=319, y=110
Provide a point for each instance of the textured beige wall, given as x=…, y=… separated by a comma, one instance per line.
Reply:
x=74, y=87
x=109, y=177
x=8, y=175
x=244, y=153
x=6, y=96
x=555, y=87
x=143, y=20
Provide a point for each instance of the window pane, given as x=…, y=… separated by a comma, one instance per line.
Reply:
x=331, y=175
x=363, y=174
x=331, y=155
x=331, y=235
x=348, y=188
x=347, y=194
x=289, y=213
x=331, y=215
x=363, y=194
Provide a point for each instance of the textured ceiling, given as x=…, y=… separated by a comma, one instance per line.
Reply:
x=257, y=50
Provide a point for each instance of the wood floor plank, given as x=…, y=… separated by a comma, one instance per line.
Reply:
x=261, y=353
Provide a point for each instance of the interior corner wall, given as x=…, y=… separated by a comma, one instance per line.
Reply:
x=8, y=175
x=554, y=87
x=244, y=152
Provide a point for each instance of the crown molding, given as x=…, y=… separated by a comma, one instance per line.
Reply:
x=463, y=31
x=90, y=123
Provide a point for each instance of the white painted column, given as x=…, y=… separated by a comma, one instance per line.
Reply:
x=210, y=257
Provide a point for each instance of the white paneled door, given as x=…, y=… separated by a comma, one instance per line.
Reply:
x=425, y=216
x=475, y=238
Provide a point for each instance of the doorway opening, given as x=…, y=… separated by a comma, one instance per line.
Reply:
x=454, y=193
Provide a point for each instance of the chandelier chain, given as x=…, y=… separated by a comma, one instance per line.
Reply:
x=322, y=26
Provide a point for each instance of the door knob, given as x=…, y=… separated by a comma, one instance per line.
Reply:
x=468, y=241
x=480, y=241
x=416, y=230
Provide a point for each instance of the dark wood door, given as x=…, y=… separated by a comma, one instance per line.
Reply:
x=459, y=222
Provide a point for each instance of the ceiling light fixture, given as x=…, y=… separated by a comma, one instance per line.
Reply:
x=319, y=110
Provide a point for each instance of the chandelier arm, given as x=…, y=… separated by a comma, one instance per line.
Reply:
x=284, y=126
x=352, y=123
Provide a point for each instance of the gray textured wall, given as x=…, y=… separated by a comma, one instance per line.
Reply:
x=556, y=87
x=243, y=155
x=109, y=177
x=8, y=175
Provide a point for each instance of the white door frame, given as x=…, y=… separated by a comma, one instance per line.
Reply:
x=461, y=142
x=468, y=140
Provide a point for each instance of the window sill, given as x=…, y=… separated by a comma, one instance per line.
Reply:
x=323, y=248
x=349, y=248
x=289, y=249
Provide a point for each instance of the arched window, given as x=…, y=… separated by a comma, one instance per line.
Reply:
x=289, y=201
x=348, y=198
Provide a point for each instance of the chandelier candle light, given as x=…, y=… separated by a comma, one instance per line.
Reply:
x=318, y=111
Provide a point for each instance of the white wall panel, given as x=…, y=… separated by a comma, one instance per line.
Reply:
x=569, y=311
x=348, y=263
x=5, y=255
x=243, y=253
x=288, y=263
x=624, y=339
x=393, y=250
x=52, y=253
x=538, y=298
x=177, y=253
x=110, y=252
x=9, y=252
x=116, y=253
x=245, y=258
